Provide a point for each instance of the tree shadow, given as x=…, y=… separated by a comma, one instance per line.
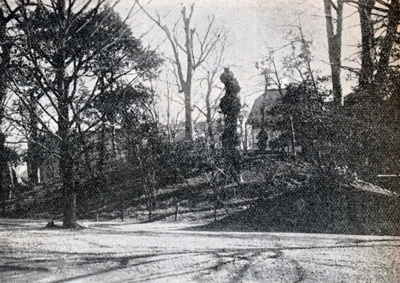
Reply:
x=124, y=263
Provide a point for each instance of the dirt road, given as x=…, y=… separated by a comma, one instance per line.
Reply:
x=159, y=252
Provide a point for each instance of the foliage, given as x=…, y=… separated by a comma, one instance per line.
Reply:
x=75, y=56
x=230, y=107
x=303, y=112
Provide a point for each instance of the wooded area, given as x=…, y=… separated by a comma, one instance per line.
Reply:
x=79, y=87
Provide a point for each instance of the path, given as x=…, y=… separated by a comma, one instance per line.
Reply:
x=158, y=252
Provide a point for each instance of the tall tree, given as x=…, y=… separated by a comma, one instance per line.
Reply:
x=387, y=28
x=334, y=28
x=368, y=52
x=379, y=21
x=65, y=46
x=377, y=131
x=195, y=49
x=9, y=12
x=4, y=63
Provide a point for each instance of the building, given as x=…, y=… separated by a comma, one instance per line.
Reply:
x=104, y=145
x=259, y=115
x=176, y=132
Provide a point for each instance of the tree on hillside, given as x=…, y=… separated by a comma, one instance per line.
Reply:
x=379, y=21
x=372, y=121
x=65, y=46
x=188, y=54
x=334, y=28
x=272, y=74
x=296, y=66
x=308, y=122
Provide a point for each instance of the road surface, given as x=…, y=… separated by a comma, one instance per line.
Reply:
x=160, y=252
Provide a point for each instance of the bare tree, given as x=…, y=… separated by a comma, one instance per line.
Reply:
x=298, y=64
x=270, y=71
x=195, y=49
x=171, y=118
x=272, y=76
x=210, y=78
x=334, y=27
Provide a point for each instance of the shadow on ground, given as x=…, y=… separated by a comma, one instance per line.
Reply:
x=338, y=211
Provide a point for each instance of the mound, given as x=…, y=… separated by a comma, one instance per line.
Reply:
x=352, y=209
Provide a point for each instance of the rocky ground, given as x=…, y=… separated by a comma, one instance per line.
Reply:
x=169, y=252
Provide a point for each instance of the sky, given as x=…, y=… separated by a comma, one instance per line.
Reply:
x=253, y=25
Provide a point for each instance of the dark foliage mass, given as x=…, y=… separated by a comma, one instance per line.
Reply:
x=230, y=107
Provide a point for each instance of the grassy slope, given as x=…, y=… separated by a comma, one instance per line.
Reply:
x=276, y=195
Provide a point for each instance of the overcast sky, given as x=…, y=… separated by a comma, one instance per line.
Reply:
x=253, y=26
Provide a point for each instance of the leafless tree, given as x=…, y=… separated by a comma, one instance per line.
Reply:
x=334, y=27
x=171, y=118
x=211, y=71
x=195, y=49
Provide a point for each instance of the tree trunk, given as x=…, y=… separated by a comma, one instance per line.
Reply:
x=215, y=211
x=176, y=211
x=122, y=211
x=150, y=211
x=5, y=45
x=66, y=160
x=335, y=47
x=187, y=89
x=188, y=114
x=367, y=45
x=3, y=168
x=209, y=119
x=102, y=149
x=66, y=169
x=293, y=139
x=386, y=47
x=33, y=154
x=246, y=133
x=150, y=201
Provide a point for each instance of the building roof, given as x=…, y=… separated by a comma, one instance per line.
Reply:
x=265, y=102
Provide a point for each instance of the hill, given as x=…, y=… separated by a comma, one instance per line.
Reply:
x=277, y=195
